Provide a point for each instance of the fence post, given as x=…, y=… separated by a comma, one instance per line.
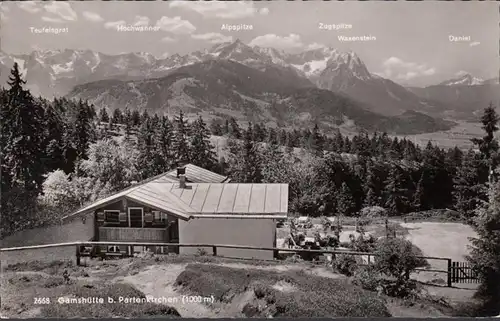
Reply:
x=214, y=248
x=449, y=272
x=78, y=257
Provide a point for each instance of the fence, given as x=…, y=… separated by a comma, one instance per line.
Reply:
x=452, y=270
x=462, y=272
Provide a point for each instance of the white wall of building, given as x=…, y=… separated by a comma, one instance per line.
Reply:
x=233, y=231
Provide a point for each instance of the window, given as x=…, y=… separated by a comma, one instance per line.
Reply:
x=113, y=249
x=159, y=216
x=112, y=216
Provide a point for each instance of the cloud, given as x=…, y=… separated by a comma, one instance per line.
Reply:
x=475, y=43
x=291, y=41
x=163, y=56
x=3, y=17
x=461, y=73
x=141, y=21
x=92, y=16
x=315, y=45
x=264, y=11
x=213, y=37
x=114, y=24
x=175, y=25
x=168, y=39
x=61, y=9
x=402, y=70
x=220, y=9
x=53, y=20
x=29, y=6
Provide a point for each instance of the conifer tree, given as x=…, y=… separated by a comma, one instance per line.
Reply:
x=371, y=190
x=82, y=132
x=55, y=128
x=469, y=190
x=246, y=162
x=103, y=115
x=136, y=118
x=181, y=136
x=202, y=150
x=484, y=256
x=216, y=127
x=316, y=142
x=234, y=129
x=146, y=150
x=345, y=201
x=395, y=193
x=164, y=137
x=117, y=116
x=418, y=201
x=488, y=145
x=23, y=125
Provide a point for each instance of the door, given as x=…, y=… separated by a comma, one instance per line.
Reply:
x=136, y=216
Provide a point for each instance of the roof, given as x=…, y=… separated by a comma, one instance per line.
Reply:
x=195, y=174
x=303, y=218
x=205, y=199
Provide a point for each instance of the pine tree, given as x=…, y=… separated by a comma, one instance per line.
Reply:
x=316, y=142
x=245, y=165
x=163, y=150
x=23, y=125
x=202, y=150
x=418, y=196
x=259, y=132
x=371, y=189
x=136, y=118
x=103, y=115
x=345, y=201
x=469, y=190
x=485, y=256
x=82, y=131
x=234, y=129
x=488, y=145
x=226, y=129
x=395, y=193
x=55, y=128
x=181, y=136
x=147, y=150
x=216, y=127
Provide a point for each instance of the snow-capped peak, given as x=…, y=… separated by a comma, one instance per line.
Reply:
x=464, y=80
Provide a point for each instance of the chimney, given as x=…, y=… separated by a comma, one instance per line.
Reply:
x=182, y=181
x=181, y=170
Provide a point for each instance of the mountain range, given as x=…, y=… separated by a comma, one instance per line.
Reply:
x=465, y=95
x=262, y=84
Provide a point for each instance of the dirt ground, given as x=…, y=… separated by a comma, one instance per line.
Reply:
x=157, y=279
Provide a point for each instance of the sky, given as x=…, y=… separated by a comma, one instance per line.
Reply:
x=412, y=45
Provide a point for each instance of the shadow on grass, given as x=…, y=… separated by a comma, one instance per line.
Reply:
x=314, y=296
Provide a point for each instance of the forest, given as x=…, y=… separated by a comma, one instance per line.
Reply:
x=58, y=155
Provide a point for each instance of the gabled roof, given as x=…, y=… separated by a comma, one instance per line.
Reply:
x=193, y=174
x=204, y=199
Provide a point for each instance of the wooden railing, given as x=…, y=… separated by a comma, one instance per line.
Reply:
x=121, y=234
x=214, y=247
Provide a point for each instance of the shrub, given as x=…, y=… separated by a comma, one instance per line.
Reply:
x=398, y=288
x=201, y=252
x=373, y=211
x=363, y=243
x=368, y=278
x=345, y=264
x=396, y=258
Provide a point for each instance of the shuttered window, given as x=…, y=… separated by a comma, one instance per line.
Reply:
x=112, y=216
